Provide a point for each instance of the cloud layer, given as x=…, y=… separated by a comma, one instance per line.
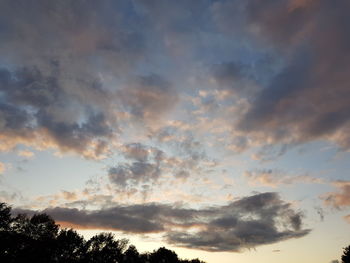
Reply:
x=73, y=79
x=244, y=223
x=307, y=99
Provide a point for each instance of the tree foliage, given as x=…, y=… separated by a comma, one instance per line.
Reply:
x=345, y=258
x=39, y=239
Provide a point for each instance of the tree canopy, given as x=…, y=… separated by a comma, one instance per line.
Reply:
x=345, y=258
x=39, y=239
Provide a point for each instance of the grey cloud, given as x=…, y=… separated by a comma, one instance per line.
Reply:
x=320, y=212
x=308, y=98
x=10, y=197
x=32, y=105
x=148, y=97
x=179, y=25
x=145, y=165
x=134, y=174
x=136, y=151
x=69, y=69
x=69, y=31
x=235, y=76
x=129, y=219
x=245, y=223
x=52, y=94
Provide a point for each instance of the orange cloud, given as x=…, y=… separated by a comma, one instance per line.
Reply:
x=340, y=198
x=26, y=153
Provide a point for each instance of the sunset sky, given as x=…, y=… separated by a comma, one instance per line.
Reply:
x=216, y=128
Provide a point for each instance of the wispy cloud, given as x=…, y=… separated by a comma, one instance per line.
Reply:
x=339, y=199
x=274, y=178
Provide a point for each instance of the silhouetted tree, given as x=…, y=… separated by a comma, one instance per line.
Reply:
x=131, y=255
x=163, y=255
x=70, y=247
x=5, y=217
x=345, y=258
x=104, y=248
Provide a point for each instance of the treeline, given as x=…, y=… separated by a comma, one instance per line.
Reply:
x=39, y=239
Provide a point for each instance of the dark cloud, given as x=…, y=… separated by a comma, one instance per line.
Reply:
x=68, y=70
x=81, y=63
x=308, y=98
x=51, y=95
x=235, y=76
x=72, y=31
x=68, y=73
x=178, y=26
x=35, y=109
x=133, y=174
x=245, y=223
x=145, y=166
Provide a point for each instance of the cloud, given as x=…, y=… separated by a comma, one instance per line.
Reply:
x=26, y=153
x=307, y=96
x=148, y=97
x=235, y=76
x=274, y=178
x=10, y=196
x=52, y=94
x=2, y=167
x=36, y=110
x=347, y=218
x=65, y=82
x=339, y=199
x=244, y=223
x=133, y=174
x=73, y=37
x=145, y=166
x=320, y=212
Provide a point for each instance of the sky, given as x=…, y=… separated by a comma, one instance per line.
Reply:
x=216, y=128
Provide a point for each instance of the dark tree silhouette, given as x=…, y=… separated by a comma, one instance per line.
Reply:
x=70, y=247
x=39, y=239
x=163, y=255
x=345, y=258
x=104, y=248
x=5, y=217
x=131, y=255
